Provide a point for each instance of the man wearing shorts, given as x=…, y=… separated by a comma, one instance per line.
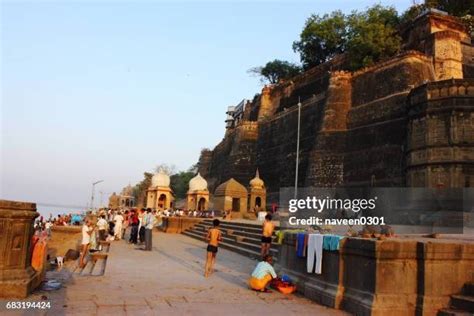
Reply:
x=214, y=236
x=267, y=233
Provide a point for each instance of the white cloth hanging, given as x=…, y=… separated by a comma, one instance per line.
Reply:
x=315, y=250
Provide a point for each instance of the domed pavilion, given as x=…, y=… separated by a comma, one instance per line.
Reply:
x=159, y=194
x=198, y=194
x=257, y=194
x=231, y=196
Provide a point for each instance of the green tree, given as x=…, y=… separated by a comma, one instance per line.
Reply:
x=179, y=183
x=194, y=168
x=372, y=36
x=463, y=9
x=322, y=38
x=139, y=190
x=366, y=37
x=276, y=70
x=412, y=12
x=458, y=8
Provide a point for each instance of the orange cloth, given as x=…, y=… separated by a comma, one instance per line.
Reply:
x=259, y=284
x=34, y=240
x=39, y=255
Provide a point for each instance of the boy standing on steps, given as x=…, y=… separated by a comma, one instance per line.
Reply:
x=267, y=233
x=214, y=236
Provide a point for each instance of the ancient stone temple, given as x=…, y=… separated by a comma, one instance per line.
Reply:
x=159, y=194
x=406, y=121
x=198, y=194
x=123, y=200
x=114, y=201
x=257, y=194
x=126, y=197
x=17, y=277
x=231, y=196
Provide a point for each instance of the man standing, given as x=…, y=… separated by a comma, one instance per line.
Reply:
x=141, y=226
x=118, y=226
x=48, y=226
x=102, y=227
x=148, y=223
x=86, y=239
x=134, y=231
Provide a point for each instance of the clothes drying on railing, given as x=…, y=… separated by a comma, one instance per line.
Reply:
x=281, y=234
x=311, y=246
x=315, y=251
x=301, y=244
x=331, y=242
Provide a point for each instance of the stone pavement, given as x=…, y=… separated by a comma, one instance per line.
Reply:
x=169, y=281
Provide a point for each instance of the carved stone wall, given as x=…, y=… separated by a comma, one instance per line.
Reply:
x=376, y=140
x=356, y=128
x=17, y=277
x=233, y=157
x=440, y=149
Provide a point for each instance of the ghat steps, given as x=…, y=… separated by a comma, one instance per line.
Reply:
x=243, y=238
x=96, y=262
x=462, y=304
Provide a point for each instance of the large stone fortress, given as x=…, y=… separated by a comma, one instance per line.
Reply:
x=407, y=121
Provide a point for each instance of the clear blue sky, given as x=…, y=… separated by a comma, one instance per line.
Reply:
x=108, y=90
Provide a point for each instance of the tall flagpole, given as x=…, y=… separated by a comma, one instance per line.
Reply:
x=297, y=148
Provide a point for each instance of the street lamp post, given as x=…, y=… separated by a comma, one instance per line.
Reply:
x=93, y=191
x=101, y=199
x=297, y=148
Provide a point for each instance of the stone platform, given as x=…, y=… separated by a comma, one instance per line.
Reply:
x=395, y=276
x=169, y=281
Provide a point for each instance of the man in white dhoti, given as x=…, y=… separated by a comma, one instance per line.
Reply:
x=118, y=219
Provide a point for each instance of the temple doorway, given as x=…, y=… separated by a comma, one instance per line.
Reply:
x=236, y=205
x=201, y=204
x=162, y=201
x=258, y=202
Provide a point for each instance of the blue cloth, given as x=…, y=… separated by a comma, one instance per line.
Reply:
x=76, y=219
x=285, y=278
x=331, y=242
x=300, y=240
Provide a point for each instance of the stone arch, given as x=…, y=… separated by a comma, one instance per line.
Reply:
x=162, y=201
x=201, y=204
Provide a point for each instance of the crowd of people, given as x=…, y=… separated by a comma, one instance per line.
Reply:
x=43, y=225
x=135, y=226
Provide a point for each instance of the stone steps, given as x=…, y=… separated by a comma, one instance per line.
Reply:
x=236, y=236
x=462, y=304
x=242, y=238
x=468, y=289
x=241, y=229
x=243, y=248
x=453, y=312
x=96, y=262
x=245, y=252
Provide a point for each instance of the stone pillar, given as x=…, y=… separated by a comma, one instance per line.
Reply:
x=17, y=277
x=447, y=55
x=338, y=102
x=266, y=106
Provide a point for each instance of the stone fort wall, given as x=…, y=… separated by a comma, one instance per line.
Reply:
x=362, y=128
